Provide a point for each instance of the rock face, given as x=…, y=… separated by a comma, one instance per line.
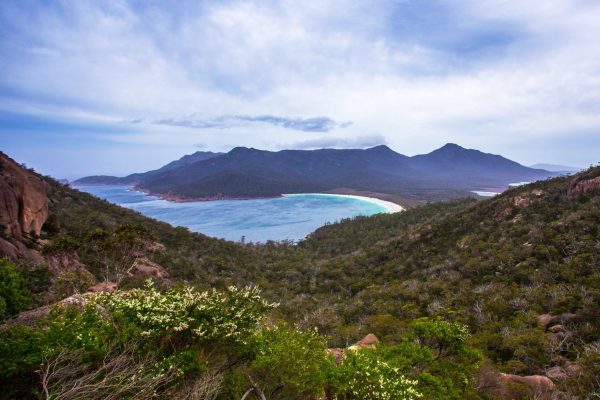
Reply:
x=65, y=262
x=23, y=200
x=580, y=185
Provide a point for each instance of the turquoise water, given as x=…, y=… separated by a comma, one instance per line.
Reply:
x=259, y=220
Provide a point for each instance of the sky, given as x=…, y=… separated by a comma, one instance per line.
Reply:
x=114, y=87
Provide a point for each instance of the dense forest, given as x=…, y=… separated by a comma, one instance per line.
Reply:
x=455, y=291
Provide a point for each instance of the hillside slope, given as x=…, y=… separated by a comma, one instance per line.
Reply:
x=521, y=270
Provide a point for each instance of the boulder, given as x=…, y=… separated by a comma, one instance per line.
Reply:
x=369, y=341
x=146, y=268
x=30, y=317
x=535, y=386
x=544, y=320
x=556, y=373
x=8, y=249
x=108, y=287
x=566, y=317
x=554, y=321
x=557, y=329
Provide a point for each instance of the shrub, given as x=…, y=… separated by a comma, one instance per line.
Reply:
x=364, y=375
x=289, y=363
x=14, y=294
x=232, y=315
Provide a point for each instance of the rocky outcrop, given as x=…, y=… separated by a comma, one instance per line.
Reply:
x=555, y=322
x=30, y=317
x=145, y=268
x=500, y=386
x=534, y=386
x=369, y=341
x=23, y=200
x=581, y=185
x=107, y=287
x=63, y=262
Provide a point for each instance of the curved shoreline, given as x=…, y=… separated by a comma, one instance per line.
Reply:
x=388, y=205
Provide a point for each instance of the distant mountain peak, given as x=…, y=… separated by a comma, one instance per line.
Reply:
x=242, y=150
x=451, y=147
x=381, y=147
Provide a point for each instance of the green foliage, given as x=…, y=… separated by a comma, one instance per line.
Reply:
x=364, y=375
x=60, y=245
x=290, y=364
x=69, y=283
x=20, y=356
x=445, y=337
x=112, y=253
x=14, y=293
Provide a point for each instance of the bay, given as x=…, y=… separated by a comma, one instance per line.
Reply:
x=256, y=220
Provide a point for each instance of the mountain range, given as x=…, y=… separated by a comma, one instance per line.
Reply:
x=557, y=168
x=450, y=171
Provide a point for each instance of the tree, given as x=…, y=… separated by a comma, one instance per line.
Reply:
x=290, y=363
x=116, y=252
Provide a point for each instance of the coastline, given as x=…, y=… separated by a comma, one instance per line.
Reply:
x=388, y=205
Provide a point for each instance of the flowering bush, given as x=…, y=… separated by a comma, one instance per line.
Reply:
x=365, y=375
x=209, y=315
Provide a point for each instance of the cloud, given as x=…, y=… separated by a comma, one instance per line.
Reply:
x=315, y=124
x=489, y=74
x=339, y=142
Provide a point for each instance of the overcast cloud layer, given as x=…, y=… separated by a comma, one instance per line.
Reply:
x=140, y=83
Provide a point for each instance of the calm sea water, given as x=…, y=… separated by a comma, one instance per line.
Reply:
x=283, y=218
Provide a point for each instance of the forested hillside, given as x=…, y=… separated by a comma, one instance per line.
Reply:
x=508, y=284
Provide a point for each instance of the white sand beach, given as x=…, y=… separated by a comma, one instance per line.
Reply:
x=388, y=205
x=484, y=193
